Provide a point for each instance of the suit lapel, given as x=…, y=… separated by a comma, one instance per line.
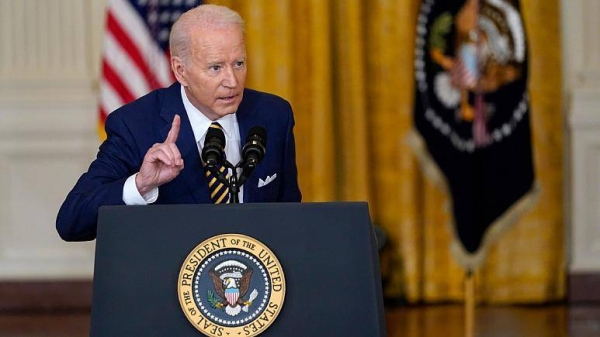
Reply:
x=192, y=174
x=247, y=117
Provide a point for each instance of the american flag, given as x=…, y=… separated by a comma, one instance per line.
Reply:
x=135, y=55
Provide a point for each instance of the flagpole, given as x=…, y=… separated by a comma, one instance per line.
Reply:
x=469, y=304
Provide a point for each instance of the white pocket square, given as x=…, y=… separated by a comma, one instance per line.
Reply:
x=267, y=180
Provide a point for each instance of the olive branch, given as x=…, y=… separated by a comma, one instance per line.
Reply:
x=213, y=300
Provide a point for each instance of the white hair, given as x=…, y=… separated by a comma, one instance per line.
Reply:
x=201, y=17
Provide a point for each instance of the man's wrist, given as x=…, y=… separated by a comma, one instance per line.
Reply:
x=133, y=196
x=142, y=188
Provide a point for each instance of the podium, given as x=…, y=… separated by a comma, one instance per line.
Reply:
x=327, y=252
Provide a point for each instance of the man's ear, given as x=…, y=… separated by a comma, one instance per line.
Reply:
x=179, y=70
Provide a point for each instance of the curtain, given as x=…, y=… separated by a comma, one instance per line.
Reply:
x=346, y=66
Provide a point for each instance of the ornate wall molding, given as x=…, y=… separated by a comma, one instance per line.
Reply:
x=581, y=73
x=49, y=61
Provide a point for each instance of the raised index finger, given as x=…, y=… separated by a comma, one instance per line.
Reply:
x=174, y=132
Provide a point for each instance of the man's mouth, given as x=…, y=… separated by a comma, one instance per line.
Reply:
x=227, y=98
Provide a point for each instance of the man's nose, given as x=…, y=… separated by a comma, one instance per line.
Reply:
x=230, y=80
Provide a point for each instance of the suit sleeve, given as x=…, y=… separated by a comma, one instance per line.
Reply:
x=101, y=185
x=289, y=189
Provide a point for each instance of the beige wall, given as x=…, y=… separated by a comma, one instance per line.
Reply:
x=48, y=74
x=581, y=69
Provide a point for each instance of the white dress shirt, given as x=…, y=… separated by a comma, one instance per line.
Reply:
x=200, y=124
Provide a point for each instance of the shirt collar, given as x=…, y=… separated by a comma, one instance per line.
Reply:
x=200, y=122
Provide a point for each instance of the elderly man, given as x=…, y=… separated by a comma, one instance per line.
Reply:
x=152, y=153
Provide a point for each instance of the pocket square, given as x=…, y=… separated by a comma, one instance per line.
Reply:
x=267, y=180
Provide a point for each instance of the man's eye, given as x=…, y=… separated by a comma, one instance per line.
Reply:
x=215, y=67
x=239, y=64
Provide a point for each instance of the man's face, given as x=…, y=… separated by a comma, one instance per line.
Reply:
x=215, y=75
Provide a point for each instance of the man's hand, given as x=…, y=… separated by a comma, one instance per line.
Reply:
x=162, y=163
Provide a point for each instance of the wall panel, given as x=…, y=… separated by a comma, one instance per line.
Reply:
x=581, y=59
x=49, y=56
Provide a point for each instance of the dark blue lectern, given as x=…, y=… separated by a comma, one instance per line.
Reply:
x=327, y=251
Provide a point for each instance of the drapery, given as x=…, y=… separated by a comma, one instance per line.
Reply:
x=346, y=66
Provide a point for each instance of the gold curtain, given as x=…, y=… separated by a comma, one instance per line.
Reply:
x=346, y=67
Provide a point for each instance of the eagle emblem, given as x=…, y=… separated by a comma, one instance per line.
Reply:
x=231, y=281
x=231, y=285
x=477, y=54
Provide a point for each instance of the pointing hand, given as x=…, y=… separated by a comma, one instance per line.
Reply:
x=162, y=163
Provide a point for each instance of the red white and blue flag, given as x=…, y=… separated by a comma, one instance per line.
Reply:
x=135, y=56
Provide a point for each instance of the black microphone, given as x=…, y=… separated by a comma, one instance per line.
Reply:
x=214, y=147
x=255, y=147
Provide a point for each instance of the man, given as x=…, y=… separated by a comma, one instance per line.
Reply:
x=152, y=150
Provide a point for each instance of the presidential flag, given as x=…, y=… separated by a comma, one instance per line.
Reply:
x=472, y=115
x=135, y=55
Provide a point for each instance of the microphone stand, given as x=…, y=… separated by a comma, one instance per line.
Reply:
x=234, y=188
x=234, y=182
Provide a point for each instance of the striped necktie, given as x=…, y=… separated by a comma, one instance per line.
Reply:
x=219, y=192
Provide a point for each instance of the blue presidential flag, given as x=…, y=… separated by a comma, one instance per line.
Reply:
x=472, y=115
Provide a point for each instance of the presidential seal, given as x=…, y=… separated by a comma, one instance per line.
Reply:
x=231, y=285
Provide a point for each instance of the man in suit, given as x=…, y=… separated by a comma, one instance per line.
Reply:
x=153, y=145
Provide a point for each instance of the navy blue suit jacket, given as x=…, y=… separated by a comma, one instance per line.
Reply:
x=132, y=129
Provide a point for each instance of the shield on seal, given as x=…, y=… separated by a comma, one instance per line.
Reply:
x=232, y=295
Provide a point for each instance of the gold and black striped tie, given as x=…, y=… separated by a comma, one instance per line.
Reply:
x=219, y=192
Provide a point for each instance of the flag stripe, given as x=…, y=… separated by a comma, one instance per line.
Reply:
x=138, y=32
x=109, y=98
x=111, y=77
x=125, y=67
x=127, y=46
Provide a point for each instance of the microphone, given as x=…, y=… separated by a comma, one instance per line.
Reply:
x=214, y=147
x=255, y=147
